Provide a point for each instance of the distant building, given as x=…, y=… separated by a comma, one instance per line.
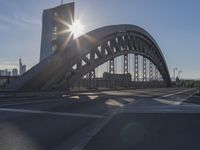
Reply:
x=7, y=73
x=15, y=72
x=22, y=68
x=2, y=73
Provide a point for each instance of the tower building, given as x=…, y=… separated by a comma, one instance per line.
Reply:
x=55, y=29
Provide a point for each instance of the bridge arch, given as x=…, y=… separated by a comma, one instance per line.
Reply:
x=91, y=50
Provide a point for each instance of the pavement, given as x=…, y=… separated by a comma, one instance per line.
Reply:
x=98, y=119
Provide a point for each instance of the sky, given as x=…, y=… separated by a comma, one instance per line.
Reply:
x=174, y=24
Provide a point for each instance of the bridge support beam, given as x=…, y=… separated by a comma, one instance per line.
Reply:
x=111, y=66
x=136, y=68
x=150, y=71
x=92, y=79
x=126, y=69
x=144, y=69
x=156, y=74
x=126, y=64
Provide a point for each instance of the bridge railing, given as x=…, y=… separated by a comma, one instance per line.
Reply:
x=97, y=83
x=114, y=84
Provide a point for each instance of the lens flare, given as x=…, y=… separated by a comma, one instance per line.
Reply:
x=76, y=28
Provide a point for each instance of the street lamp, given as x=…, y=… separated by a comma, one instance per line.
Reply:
x=179, y=74
x=174, y=71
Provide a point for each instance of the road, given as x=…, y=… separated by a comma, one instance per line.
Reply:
x=74, y=121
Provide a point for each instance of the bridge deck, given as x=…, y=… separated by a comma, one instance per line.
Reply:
x=64, y=120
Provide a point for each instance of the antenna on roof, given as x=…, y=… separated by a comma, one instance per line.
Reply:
x=61, y=2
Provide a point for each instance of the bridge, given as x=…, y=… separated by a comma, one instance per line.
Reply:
x=76, y=62
x=45, y=108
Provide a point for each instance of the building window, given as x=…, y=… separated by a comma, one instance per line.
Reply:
x=55, y=14
x=54, y=48
x=54, y=36
x=54, y=29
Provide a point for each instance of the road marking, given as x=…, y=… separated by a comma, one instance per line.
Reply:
x=168, y=95
x=128, y=99
x=113, y=102
x=169, y=102
x=51, y=113
x=174, y=102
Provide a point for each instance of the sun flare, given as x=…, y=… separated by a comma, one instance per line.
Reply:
x=77, y=28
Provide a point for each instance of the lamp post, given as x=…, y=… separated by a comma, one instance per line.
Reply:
x=174, y=71
x=179, y=74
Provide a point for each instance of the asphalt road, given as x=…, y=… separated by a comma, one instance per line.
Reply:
x=79, y=120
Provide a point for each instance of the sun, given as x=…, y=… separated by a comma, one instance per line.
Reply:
x=76, y=28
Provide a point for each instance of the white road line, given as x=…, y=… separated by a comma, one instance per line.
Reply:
x=190, y=96
x=128, y=99
x=169, y=102
x=168, y=95
x=51, y=113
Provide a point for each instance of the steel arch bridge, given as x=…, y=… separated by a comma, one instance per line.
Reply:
x=84, y=54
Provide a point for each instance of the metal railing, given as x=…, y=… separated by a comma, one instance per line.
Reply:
x=114, y=84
